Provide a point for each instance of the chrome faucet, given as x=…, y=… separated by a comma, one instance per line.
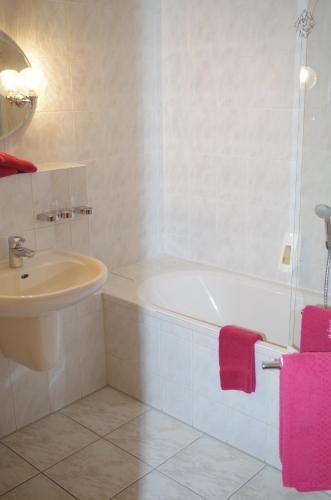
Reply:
x=17, y=251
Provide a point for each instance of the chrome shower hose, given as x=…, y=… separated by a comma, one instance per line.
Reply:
x=326, y=281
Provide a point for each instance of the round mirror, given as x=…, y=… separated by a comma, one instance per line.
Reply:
x=12, y=114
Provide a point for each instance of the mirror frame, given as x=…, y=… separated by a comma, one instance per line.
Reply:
x=27, y=111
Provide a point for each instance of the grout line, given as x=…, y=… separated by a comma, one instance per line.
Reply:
x=129, y=485
x=148, y=474
x=179, y=451
x=20, y=484
x=44, y=471
x=46, y=416
x=22, y=458
x=99, y=390
x=129, y=421
x=182, y=485
x=101, y=436
x=59, y=486
x=148, y=410
x=243, y=485
x=159, y=410
x=129, y=453
x=81, y=425
x=98, y=437
x=225, y=443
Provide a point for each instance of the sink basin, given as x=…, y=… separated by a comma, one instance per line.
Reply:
x=31, y=300
x=50, y=281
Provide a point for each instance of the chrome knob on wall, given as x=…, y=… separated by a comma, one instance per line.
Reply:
x=64, y=213
x=83, y=210
x=50, y=216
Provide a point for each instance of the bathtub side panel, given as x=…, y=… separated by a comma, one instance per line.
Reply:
x=172, y=365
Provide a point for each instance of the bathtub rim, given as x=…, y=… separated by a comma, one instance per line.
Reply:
x=124, y=282
x=205, y=328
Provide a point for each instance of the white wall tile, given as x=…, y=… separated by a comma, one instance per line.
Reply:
x=228, y=104
x=30, y=394
x=7, y=414
x=92, y=352
x=134, y=379
x=185, y=383
x=177, y=399
x=230, y=426
x=65, y=378
x=63, y=38
x=176, y=357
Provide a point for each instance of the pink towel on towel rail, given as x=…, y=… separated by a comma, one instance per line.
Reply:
x=316, y=329
x=305, y=421
x=237, y=358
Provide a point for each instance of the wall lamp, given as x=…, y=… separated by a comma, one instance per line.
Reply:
x=21, y=88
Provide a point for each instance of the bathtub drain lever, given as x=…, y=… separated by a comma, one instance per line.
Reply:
x=267, y=365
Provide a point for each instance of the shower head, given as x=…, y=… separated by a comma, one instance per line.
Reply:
x=324, y=212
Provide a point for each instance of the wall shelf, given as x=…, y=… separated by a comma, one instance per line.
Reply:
x=58, y=165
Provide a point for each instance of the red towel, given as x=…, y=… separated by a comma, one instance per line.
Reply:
x=4, y=172
x=21, y=166
x=316, y=329
x=305, y=421
x=237, y=358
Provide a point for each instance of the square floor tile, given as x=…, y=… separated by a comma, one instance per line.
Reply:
x=153, y=437
x=211, y=469
x=268, y=484
x=105, y=410
x=38, y=488
x=13, y=470
x=155, y=486
x=49, y=440
x=98, y=472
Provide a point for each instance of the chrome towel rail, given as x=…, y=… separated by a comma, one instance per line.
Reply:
x=267, y=365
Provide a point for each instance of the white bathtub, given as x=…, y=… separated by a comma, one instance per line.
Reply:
x=162, y=319
x=222, y=298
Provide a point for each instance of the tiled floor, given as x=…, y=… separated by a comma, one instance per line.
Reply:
x=111, y=446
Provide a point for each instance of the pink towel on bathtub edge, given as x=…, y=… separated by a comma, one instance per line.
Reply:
x=305, y=421
x=237, y=358
x=315, y=329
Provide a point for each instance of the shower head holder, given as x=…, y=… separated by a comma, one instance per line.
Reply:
x=305, y=23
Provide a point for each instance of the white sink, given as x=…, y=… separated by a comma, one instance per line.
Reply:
x=50, y=281
x=31, y=300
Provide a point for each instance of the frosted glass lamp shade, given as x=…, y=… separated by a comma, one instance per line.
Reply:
x=308, y=77
x=9, y=82
x=31, y=82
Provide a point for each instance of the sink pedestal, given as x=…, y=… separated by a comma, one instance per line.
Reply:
x=32, y=341
x=32, y=300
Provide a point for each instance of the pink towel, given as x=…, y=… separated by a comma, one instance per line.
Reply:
x=4, y=172
x=237, y=358
x=316, y=329
x=21, y=166
x=305, y=421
